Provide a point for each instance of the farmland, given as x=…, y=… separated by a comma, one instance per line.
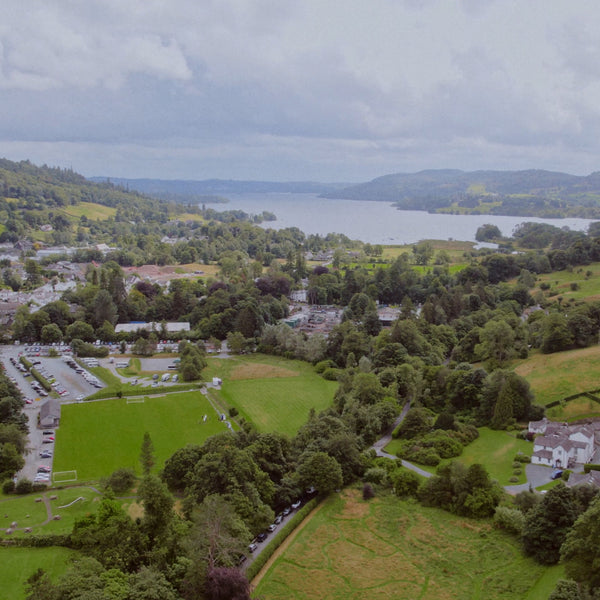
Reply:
x=98, y=437
x=395, y=549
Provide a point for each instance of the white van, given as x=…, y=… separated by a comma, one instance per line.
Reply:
x=165, y=377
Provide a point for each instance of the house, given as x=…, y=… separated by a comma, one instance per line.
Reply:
x=592, y=479
x=50, y=413
x=561, y=445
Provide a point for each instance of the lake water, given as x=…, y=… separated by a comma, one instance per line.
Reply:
x=374, y=222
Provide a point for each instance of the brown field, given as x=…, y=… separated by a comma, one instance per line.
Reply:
x=260, y=371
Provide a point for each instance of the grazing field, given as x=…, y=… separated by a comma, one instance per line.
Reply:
x=18, y=564
x=93, y=211
x=573, y=410
x=495, y=450
x=96, y=438
x=273, y=393
x=580, y=284
x=555, y=376
x=387, y=549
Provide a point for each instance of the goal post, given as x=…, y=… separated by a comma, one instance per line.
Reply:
x=135, y=400
x=64, y=476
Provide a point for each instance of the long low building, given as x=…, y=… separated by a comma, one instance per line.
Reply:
x=170, y=327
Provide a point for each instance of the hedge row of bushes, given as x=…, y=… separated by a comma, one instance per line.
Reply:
x=39, y=541
x=125, y=392
x=43, y=381
x=282, y=534
x=590, y=467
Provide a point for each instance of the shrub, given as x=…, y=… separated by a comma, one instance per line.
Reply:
x=517, y=472
x=121, y=480
x=375, y=475
x=405, y=482
x=331, y=374
x=322, y=366
x=513, y=479
x=368, y=491
x=8, y=487
x=516, y=465
x=233, y=412
x=522, y=458
x=509, y=519
x=24, y=486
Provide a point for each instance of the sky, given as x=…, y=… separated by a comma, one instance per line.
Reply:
x=298, y=90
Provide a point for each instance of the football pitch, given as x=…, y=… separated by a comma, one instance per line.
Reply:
x=96, y=438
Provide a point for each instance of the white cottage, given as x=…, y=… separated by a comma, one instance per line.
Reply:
x=562, y=445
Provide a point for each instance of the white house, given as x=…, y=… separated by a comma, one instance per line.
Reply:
x=561, y=445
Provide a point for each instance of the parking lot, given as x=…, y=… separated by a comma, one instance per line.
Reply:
x=73, y=384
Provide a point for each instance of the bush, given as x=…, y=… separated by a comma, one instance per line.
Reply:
x=513, y=479
x=24, y=486
x=517, y=472
x=121, y=480
x=368, y=491
x=8, y=487
x=522, y=458
x=516, y=465
x=322, y=366
x=331, y=374
x=233, y=412
x=375, y=475
x=509, y=519
x=405, y=482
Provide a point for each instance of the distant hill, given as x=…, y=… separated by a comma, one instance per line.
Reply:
x=213, y=190
x=527, y=193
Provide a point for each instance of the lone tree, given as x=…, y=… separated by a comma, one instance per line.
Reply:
x=147, y=454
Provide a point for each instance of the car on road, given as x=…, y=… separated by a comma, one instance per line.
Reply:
x=557, y=474
x=286, y=511
x=41, y=478
x=278, y=519
x=272, y=527
x=261, y=537
x=252, y=547
x=48, y=440
x=47, y=432
x=296, y=504
x=45, y=454
x=44, y=469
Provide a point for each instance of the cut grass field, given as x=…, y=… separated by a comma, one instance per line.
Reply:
x=93, y=211
x=273, y=393
x=96, y=438
x=494, y=449
x=18, y=564
x=387, y=548
x=555, y=376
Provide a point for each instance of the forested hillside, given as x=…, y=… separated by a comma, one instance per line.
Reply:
x=528, y=193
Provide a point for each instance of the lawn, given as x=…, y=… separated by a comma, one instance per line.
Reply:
x=18, y=564
x=96, y=438
x=493, y=449
x=555, y=376
x=29, y=513
x=388, y=548
x=273, y=393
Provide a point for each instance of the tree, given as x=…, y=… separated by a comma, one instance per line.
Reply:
x=158, y=506
x=496, y=345
x=580, y=551
x=147, y=454
x=548, y=523
x=51, y=334
x=226, y=583
x=192, y=362
x=11, y=461
x=555, y=334
x=81, y=331
x=321, y=471
x=565, y=590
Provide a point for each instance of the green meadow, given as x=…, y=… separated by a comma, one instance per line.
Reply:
x=96, y=438
x=274, y=394
x=18, y=564
x=387, y=548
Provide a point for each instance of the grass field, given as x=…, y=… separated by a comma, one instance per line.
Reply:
x=494, y=449
x=587, y=279
x=18, y=564
x=29, y=513
x=273, y=393
x=96, y=438
x=387, y=549
x=555, y=376
x=93, y=211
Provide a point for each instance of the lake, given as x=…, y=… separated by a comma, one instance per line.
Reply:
x=374, y=222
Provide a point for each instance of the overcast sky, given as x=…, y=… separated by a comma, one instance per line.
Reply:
x=326, y=90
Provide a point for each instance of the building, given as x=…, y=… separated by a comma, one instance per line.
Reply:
x=50, y=413
x=171, y=327
x=560, y=445
x=592, y=479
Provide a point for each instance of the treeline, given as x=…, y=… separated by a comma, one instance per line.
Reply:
x=13, y=428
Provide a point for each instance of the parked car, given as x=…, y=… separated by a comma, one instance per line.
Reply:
x=278, y=519
x=44, y=469
x=45, y=454
x=252, y=547
x=296, y=504
x=48, y=440
x=557, y=474
x=47, y=432
x=272, y=527
x=261, y=537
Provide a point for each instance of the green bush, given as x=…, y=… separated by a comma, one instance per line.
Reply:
x=509, y=519
x=375, y=475
x=331, y=374
x=590, y=467
x=522, y=458
x=513, y=479
x=121, y=480
x=323, y=365
x=24, y=486
x=8, y=487
x=517, y=472
x=516, y=465
x=43, y=381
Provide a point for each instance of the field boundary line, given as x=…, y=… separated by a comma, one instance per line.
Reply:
x=284, y=545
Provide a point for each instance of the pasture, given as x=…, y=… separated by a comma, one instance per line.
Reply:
x=555, y=376
x=387, y=548
x=18, y=564
x=93, y=211
x=274, y=394
x=96, y=438
x=582, y=283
